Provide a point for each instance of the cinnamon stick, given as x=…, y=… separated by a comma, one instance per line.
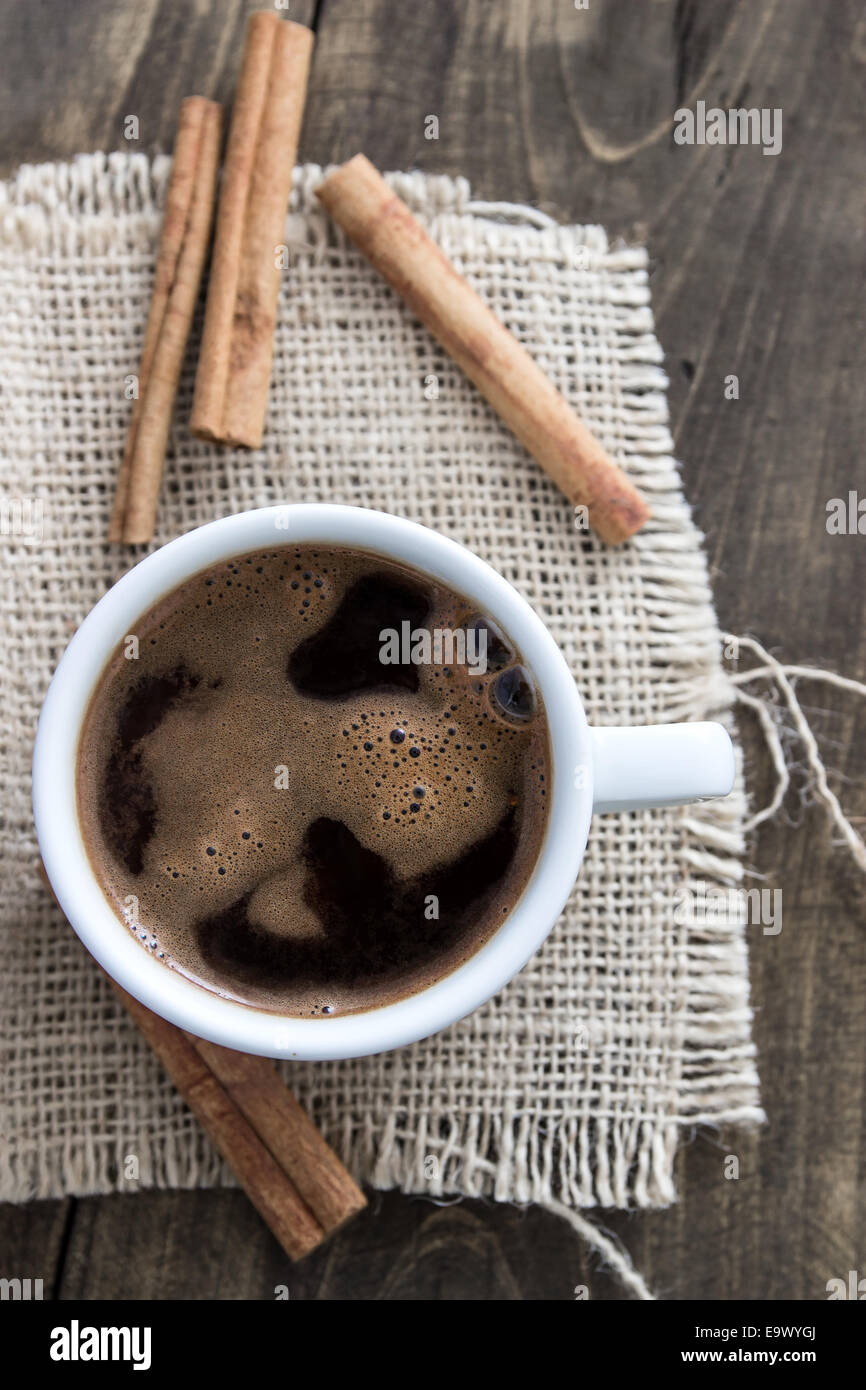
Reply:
x=180, y=262
x=292, y=1177
x=294, y=1180
x=284, y=1126
x=384, y=229
x=231, y=387
x=268, y=1187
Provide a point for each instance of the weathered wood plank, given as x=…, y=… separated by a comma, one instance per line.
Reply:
x=758, y=264
x=211, y=1245
x=33, y=1240
x=71, y=74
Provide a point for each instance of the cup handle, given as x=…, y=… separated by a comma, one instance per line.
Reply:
x=660, y=765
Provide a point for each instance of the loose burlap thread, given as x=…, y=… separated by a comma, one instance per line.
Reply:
x=572, y=1086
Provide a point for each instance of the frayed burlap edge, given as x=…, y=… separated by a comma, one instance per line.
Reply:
x=718, y=1082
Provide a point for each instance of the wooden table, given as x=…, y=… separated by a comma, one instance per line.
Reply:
x=757, y=271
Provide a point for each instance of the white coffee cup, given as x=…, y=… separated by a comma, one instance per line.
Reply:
x=606, y=769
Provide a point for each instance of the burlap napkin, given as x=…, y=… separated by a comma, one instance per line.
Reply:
x=570, y=1087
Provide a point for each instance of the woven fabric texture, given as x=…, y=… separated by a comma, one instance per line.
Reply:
x=574, y=1083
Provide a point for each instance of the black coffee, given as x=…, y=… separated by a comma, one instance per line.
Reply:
x=314, y=780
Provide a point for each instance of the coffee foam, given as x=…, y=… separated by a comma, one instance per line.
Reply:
x=241, y=763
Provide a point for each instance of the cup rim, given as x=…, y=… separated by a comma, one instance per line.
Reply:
x=192, y=1006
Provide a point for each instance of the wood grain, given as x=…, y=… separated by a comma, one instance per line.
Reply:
x=757, y=271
